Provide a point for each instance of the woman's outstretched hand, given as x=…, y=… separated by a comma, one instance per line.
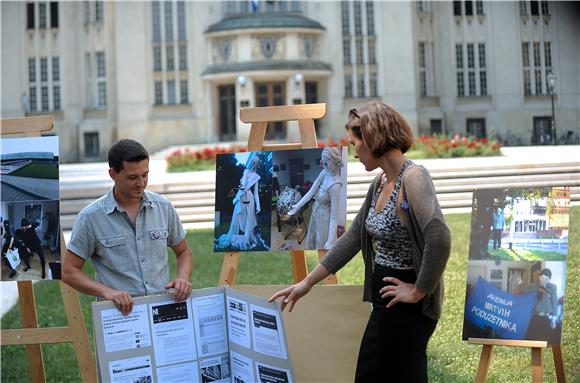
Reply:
x=292, y=294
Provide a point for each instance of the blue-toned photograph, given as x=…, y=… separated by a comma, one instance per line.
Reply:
x=243, y=202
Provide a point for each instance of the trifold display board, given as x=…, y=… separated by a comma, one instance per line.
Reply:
x=218, y=334
x=227, y=335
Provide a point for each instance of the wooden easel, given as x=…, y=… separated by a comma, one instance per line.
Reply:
x=31, y=335
x=536, y=347
x=259, y=118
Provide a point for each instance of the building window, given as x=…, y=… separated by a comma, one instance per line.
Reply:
x=87, y=12
x=536, y=67
x=43, y=69
x=41, y=15
x=460, y=72
x=44, y=98
x=476, y=127
x=534, y=8
x=469, y=8
x=157, y=59
x=348, y=86
x=32, y=98
x=457, y=8
x=479, y=7
x=53, y=14
x=30, y=15
x=436, y=126
x=373, y=85
x=470, y=56
x=545, y=8
x=55, y=69
x=31, y=70
x=101, y=80
x=357, y=18
x=547, y=54
x=370, y=18
x=158, y=93
x=168, y=21
x=346, y=50
x=91, y=144
x=363, y=68
x=181, y=21
x=472, y=91
x=184, y=92
x=171, y=92
x=56, y=97
x=170, y=64
x=482, y=71
x=182, y=57
x=99, y=11
x=170, y=50
x=361, y=85
x=344, y=18
x=422, y=69
x=523, y=8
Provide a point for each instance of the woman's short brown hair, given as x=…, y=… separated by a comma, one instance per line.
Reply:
x=380, y=127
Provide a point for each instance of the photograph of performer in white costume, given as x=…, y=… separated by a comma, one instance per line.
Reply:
x=326, y=191
x=242, y=234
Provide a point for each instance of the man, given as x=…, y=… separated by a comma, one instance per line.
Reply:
x=498, y=224
x=126, y=233
x=27, y=234
x=543, y=320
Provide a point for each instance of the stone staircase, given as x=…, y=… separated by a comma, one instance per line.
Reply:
x=193, y=193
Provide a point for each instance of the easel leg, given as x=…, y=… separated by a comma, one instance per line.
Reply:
x=558, y=363
x=483, y=366
x=72, y=307
x=229, y=269
x=332, y=278
x=536, y=365
x=299, y=267
x=29, y=320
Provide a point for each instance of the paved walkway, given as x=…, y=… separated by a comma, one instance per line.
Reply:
x=97, y=174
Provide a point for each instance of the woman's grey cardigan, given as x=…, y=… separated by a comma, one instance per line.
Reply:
x=430, y=234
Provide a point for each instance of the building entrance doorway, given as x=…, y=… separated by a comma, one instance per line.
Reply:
x=272, y=94
x=542, y=131
x=227, y=112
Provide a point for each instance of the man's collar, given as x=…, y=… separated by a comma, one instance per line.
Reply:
x=111, y=203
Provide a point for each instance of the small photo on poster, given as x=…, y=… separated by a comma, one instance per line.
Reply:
x=308, y=198
x=131, y=370
x=215, y=370
x=30, y=231
x=270, y=374
x=242, y=202
x=516, y=274
x=267, y=332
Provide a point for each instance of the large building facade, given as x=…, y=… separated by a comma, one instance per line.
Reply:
x=177, y=72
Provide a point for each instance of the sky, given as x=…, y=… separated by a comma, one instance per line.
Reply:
x=29, y=144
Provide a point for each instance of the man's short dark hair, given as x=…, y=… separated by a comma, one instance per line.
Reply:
x=126, y=150
x=547, y=272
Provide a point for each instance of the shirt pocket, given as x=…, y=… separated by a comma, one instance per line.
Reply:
x=113, y=251
x=157, y=242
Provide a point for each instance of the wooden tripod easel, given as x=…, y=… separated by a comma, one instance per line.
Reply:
x=536, y=346
x=31, y=335
x=259, y=118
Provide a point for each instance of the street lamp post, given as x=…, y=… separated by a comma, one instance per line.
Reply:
x=551, y=80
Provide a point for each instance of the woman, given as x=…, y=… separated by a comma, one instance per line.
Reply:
x=246, y=207
x=322, y=229
x=405, y=245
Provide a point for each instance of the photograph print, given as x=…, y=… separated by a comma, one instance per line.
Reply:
x=516, y=273
x=308, y=198
x=29, y=209
x=243, y=202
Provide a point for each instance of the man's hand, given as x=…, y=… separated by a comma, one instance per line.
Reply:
x=122, y=300
x=181, y=289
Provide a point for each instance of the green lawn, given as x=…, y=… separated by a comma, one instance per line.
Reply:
x=450, y=359
x=526, y=255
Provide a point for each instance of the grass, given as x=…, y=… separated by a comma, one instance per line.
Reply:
x=526, y=255
x=450, y=359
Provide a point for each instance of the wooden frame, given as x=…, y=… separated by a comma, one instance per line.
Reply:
x=305, y=114
x=31, y=335
x=536, y=347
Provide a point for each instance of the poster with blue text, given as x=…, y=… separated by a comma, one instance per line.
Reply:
x=516, y=275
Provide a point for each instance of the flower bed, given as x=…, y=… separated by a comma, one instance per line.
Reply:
x=183, y=160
